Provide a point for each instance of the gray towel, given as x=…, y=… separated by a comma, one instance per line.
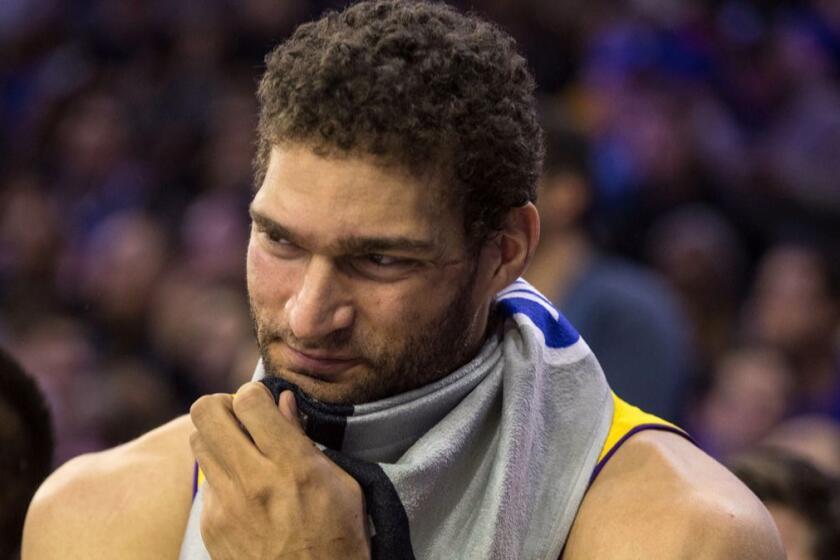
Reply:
x=491, y=461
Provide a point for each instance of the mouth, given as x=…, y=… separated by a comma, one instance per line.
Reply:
x=325, y=366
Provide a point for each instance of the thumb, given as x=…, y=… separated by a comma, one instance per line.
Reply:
x=288, y=408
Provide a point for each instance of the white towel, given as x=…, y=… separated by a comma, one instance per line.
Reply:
x=491, y=461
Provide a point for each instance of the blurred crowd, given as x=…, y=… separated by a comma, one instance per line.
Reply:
x=691, y=204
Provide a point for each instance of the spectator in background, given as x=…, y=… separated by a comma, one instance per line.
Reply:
x=794, y=306
x=96, y=171
x=814, y=438
x=804, y=502
x=202, y=334
x=120, y=264
x=214, y=235
x=625, y=312
x=749, y=393
x=134, y=399
x=26, y=449
x=28, y=255
x=57, y=351
x=702, y=256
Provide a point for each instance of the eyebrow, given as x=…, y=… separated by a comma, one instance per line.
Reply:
x=351, y=244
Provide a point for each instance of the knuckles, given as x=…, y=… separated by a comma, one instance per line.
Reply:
x=302, y=475
x=214, y=522
x=249, y=397
x=208, y=406
x=257, y=492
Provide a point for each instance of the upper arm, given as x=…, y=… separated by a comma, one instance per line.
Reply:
x=697, y=532
x=745, y=534
x=129, y=502
x=661, y=497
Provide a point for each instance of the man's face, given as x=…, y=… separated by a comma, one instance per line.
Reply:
x=359, y=280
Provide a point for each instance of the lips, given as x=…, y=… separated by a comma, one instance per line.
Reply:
x=321, y=365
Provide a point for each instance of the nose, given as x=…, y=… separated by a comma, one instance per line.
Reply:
x=320, y=306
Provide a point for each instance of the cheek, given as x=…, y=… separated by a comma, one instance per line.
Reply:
x=383, y=314
x=269, y=279
x=394, y=312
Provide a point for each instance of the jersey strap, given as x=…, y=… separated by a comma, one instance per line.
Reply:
x=629, y=420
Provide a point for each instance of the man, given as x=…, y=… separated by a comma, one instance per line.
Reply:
x=428, y=403
x=26, y=441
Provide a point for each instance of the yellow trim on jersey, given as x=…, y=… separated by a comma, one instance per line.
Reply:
x=625, y=418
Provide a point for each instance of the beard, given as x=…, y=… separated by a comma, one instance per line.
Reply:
x=390, y=363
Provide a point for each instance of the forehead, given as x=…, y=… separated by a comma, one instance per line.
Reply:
x=325, y=199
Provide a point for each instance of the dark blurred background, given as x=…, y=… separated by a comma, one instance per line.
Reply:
x=691, y=204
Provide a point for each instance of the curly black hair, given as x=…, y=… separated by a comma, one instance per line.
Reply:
x=415, y=84
x=26, y=441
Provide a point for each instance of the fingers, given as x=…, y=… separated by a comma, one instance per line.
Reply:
x=288, y=408
x=219, y=444
x=276, y=433
x=216, y=470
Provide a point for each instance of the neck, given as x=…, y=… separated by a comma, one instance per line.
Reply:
x=491, y=320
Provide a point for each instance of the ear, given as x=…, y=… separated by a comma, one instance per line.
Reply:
x=512, y=248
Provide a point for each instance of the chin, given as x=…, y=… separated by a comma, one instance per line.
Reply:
x=329, y=392
x=323, y=391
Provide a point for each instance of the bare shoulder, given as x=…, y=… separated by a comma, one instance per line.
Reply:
x=662, y=497
x=129, y=502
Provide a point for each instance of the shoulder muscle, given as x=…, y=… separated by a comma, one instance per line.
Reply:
x=661, y=497
x=128, y=502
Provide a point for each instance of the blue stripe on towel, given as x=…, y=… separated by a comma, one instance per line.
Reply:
x=558, y=333
x=525, y=290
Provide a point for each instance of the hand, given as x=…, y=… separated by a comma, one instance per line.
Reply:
x=270, y=492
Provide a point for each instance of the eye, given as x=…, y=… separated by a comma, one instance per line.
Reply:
x=275, y=242
x=384, y=260
x=376, y=266
x=275, y=237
